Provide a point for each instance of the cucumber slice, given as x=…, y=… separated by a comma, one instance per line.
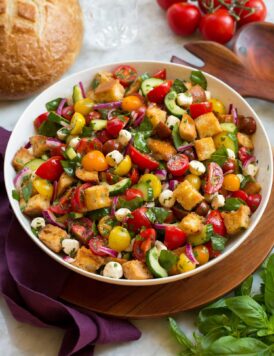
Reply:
x=201, y=237
x=173, y=108
x=146, y=189
x=34, y=164
x=227, y=140
x=119, y=187
x=149, y=84
x=70, y=153
x=98, y=125
x=229, y=127
x=99, y=213
x=177, y=140
x=152, y=260
x=77, y=93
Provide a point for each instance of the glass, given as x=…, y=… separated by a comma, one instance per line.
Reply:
x=111, y=24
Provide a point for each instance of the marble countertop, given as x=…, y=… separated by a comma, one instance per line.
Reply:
x=21, y=339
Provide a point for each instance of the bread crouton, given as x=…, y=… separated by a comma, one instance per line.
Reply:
x=204, y=148
x=87, y=261
x=21, y=157
x=134, y=87
x=161, y=150
x=187, y=195
x=52, y=237
x=97, y=197
x=225, y=118
x=87, y=176
x=65, y=181
x=155, y=115
x=245, y=140
x=39, y=146
x=162, y=130
x=236, y=221
x=207, y=125
x=110, y=90
x=136, y=269
x=36, y=205
x=187, y=128
x=252, y=188
x=197, y=93
x=192, y=223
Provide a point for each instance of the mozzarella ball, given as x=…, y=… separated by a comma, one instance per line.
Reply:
x=61, y=134
x=230, y=153
x=208, y=95
x=167, y=199
x=172, y=121
x=250, y=170
x=241, y=177
x=114, y=158
x=74, y=142
x=124, y=137
x=197, y=167
x=218, y=201
x=122, y=213
x=113, y=270
x=70, y=246
x=38, y=223
x=184, y=99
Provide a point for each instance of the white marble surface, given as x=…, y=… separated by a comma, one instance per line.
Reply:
x=155, y=41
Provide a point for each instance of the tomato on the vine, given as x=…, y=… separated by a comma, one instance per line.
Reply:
x=259, y=12
x=165, y=4
x=183, y=19
x=206, y=5
x=126, y=74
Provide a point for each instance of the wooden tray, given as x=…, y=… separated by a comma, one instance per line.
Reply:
x=168, y=299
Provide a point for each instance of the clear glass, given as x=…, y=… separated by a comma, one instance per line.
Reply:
x=111, y=23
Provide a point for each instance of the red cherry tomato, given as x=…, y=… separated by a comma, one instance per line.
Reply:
x=161, y=74
x=68, y=112
x=134, y=176
x=115, y=125
x=253, y=201
x=51, y=169
x=142, y=160
x=183, y=19
x=244, y=155
x=87, y=144
x=138, y=219
x=143, y=243
x=212, y=253
x=103, y=136
x=95, y=243
x=63, y=206
x=218, y=26
x=82, y=229
x=58, y=151
x=157, y=94
x=165, y=4
x=198, y=109
x=174, y=237
x=241, y=194
x=178, y=165
x=40, y=119
x=215, y=219
x=259, y=14
x=205, y=5
x=133, y=193
x=77, y=198
x=126, y=74
x=214, y=178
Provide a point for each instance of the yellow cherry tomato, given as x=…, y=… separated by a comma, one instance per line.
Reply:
x=124, y=167
x=131, y=102
x=83, y=106
x=218, y=106
x=154, y=182
x=201, y=254
x=119, y=238
x=94, y=161
x=194, y=180
x=43, y=187
x=231, y=182
x=184, y=264
x=77, y=123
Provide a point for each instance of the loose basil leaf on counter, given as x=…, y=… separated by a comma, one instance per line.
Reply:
x=269, y=285
x=218, y=242
x=27, y=191
x=232, y=204
x=180, y=335
x=178, y=86
x=245, y=288
x=219, y=156
x=15, y=194
x=53, y=104
x=48, y=128
x=197, y=77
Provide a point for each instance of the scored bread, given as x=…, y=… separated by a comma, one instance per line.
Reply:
x=39, y=40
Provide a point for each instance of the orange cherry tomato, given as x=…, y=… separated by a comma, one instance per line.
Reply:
x=131, y=102
x=94, y=161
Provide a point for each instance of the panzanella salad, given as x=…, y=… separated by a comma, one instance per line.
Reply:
x=139, y=177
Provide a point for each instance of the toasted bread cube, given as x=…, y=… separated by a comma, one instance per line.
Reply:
x=21, y=157
x=136, y=269
x=52, y=237
x=36, y=205
x=97, y=197
x=87, y=176
x=162, y=130
x=187, y=195
x=134, y=87
x=245, y=140
x=192, y=223
x=187, y=128
x=236, y=221
x=198, y=94
x=225, y=118
x=87, y=261
x=110, y=90
x=38, y=144
x=252, y=188
x=65, y=181
x=162, y=150
x=204, y=148
x=207, y=125
x=103, y=76
x=155, y=115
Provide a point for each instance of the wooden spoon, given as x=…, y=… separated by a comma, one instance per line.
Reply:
x=249, y=68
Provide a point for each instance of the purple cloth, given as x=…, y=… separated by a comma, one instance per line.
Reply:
x=30, y=282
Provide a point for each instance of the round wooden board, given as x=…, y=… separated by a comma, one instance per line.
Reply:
x=159, y=301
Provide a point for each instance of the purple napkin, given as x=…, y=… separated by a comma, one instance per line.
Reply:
x=30, y=282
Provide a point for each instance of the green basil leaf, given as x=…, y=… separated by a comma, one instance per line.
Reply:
x=131, y=204
x=245, y=180
x=160, y=214
x=207, y=340
x=232, y=204
x=168, y=259
x=269, y=285
x=146, y=125
x=27, y=191
x=16, y=194
x=140, y=141
x=48, y=128
x=219, y=156
x=151, y=216
x=87, y=131
x=245, y=288
x=180, y=335
x=178, y=86
x=69, y=167
x=209, y=323
x=218, y=242
x=53, y=104
x=197, y=77
x=98, y=214
x=95, y=83
x=177, y=140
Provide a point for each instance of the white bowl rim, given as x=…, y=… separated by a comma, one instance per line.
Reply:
x=154, y=281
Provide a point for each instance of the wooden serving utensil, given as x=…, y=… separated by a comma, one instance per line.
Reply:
x=249, y=68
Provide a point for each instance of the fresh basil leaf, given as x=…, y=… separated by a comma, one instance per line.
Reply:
x=69, y=167
x=168, y=259
x=87, y=131
x=27, y=191
x=146, y=125
x=131, y=204
x=180, y=335
x=104, y=113
x=98, y=214
x=245, y=180
x=48, y=128
x=197, y=77
x=178, y=86
x=245, y=288
x=160, y=214
x=219, y=156
x=16, y=194
x=150, y=215
x=218, y=242
x=209, y=323
x=269, y=285
x=140, y=141
x=213, y=335
x=232, y=204
x=95, y=83
x=177, y=140
x=53, y=104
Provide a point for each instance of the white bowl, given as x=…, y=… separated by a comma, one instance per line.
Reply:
x=24, y=129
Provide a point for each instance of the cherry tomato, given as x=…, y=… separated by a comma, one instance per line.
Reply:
x=253, y=201
x=51, y=169
x=259, y=14
x=40, y=119
x=58, y=150
x=231, y=182
x=205, y=5
x=215, y=219
x=115, y=125
x=119, y=238
x=241, y=194
x=103, y=136
x=87, y=144
x=214, y=178
x=157, y=94
x=202, y=208
x=95, y=244
x=161, y=74
x=43, y=187
x=78, y=200
x=134, y=176
x=143, y=243
x=94, y=161
x=165, y=4
x=142, y=160
x=218, y=26
x=138, y=219
x=201, y=254
x=133, y=193
x=198, y=109
x=111, y=145
x=244, y=154
x=126, y=74
x=131, y=102
x=212, y=253
x=67, y=112
x=93, y=115
x=174, y=237
x=82, y=229
x=229, y=166
x=64, y=204
x=178, y=165
x=183, y=19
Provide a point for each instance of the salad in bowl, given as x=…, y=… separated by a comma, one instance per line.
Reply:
x=139, y=176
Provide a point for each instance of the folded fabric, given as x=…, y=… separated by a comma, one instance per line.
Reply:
x=30, y=282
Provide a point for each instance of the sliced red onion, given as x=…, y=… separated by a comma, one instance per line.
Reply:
x=185, y=147
x=51, y=218
x=229, y=172
x=68, y=259
x=61, y=106
x=173, y=184
x=108, y=251
x=112, y=105
x=18, y=180
x=68, y=110
x=190, y=254
x=82, y=89
x=230, y=108
x=27, y=145
x=161, y=174
x=249, y=160
x=114, y=205
x=160, y=226
x=53, y=142
x=139, y=117
x=54, y=194
x=109, y=117
x=234, y=113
